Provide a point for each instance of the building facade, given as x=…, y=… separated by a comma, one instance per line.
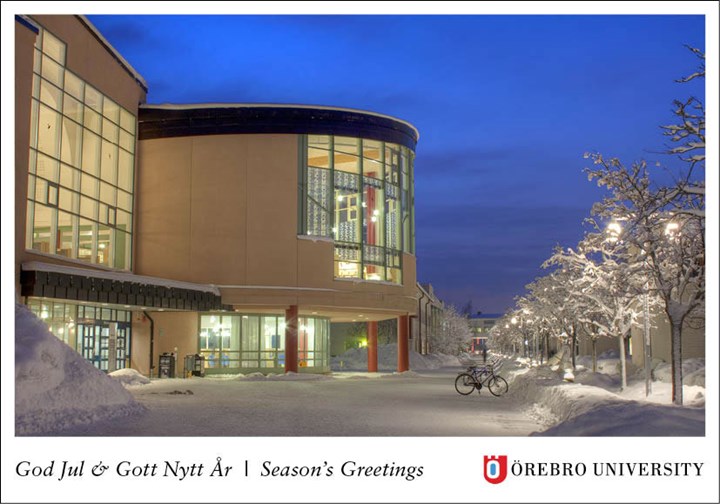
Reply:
x=237, y=232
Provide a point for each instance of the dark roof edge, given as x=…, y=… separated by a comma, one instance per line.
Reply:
x=167, y=121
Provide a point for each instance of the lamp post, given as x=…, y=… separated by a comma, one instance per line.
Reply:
x=614, y=229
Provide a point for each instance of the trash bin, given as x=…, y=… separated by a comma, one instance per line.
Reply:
x=194, y=365
x=199, y=368
x=166, y=367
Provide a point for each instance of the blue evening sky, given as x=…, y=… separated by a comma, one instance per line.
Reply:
x=505, y=105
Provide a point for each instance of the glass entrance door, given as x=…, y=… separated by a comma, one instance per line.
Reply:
x=95, y=338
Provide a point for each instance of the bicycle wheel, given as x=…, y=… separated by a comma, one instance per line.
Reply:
x=497, y=386
x=465, y=384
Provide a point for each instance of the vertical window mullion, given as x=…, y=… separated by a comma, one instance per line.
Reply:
x=361, y=210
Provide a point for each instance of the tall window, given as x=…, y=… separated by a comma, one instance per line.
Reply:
x=359, y=193
x=81, y=169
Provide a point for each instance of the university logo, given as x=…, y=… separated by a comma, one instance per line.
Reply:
x=495, y=468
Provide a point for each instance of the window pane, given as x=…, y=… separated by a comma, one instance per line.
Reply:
x=347, y=162
x=111, y=110
x=392, y=216
x=122, y=220
x=52, y=71
x=108, y=166
x=91, y=153
x=124, y=201
x=392, y=164
x=93, y=99
x=104, y=248
x=319, y=141
x=347, y=207
x=48, y=131
x=110, y=131
x=89, y=186
x=374, y=205
x=70, y=142
x=318, y=158
x=125, y=171
x=74, y=85
x=69, y=177
x=127, y=120
x=65, y=232
x=42, y=228
x=50, y=95
x=122, y=250
x=47, y=168
x=66, y=200
x=53, y=47
x=319, y=200
x=73, y=108
x=347, y=260
x=372, y=149
x=127, y=141
x=41, y=190
x=86, y=238
x=347, y=145
x=250, y=341
x=92, y=120
x=88, y=208
x=107, y=194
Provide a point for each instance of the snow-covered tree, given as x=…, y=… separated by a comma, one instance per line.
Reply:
x=606, y=281
x=454, y=335
x=670, y=243
x=688, y=137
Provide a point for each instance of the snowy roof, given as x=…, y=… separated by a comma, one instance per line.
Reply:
x=118, y=276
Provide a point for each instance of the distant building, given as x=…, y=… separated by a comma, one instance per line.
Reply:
x=480, y=325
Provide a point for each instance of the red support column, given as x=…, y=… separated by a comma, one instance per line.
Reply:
x=372, y=333
x=402, y=346
x=291, y=339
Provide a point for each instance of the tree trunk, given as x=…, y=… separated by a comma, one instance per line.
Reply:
x=623, y=364
x=547, y=347
x=574, y=344
x=594, y=354
x=676, y=358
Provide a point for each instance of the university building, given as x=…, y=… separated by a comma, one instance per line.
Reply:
x=238, y=232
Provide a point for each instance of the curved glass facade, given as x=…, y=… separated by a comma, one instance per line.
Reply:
x=257, y=342
x=359, y=193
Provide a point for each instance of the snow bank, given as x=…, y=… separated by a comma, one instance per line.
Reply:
x=55, y=388
x=355, y=359
x=693, y=372
x=129, y=377
x=594, y=406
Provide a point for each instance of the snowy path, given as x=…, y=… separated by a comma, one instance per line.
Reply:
x=346, y=404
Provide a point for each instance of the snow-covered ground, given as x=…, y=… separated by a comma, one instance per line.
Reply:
x=59, y=393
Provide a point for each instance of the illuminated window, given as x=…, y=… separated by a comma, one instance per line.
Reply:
x=359, y=193
x=257, y=342
x=81, y=163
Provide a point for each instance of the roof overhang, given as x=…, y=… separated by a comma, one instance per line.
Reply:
x=80, y=284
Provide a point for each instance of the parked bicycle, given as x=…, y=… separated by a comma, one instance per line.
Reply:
x=475, y=377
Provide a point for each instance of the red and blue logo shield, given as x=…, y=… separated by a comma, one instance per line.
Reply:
x=495, y=468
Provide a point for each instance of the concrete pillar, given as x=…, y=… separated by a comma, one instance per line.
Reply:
x=372, y=349
x=403, y=363
x=291, y=339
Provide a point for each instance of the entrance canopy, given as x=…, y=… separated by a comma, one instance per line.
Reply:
x=80, y=284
